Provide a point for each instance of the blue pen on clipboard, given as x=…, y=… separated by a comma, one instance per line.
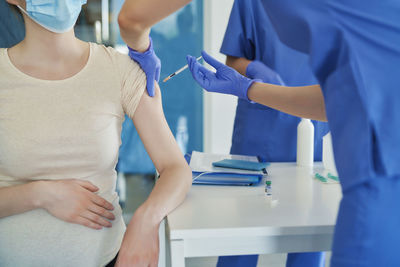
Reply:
x=180, y=70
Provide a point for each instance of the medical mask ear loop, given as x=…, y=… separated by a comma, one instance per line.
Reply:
x=41, y=25
x=23, y=11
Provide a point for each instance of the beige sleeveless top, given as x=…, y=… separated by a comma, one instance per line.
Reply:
x=64, y=129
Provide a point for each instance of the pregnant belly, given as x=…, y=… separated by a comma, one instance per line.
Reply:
x=36, y=238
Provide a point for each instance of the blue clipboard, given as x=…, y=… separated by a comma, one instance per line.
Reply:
x=224, y=178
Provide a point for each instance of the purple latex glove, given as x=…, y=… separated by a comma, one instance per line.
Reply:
x=150, y=64
x=225, y=81
x=258, y=70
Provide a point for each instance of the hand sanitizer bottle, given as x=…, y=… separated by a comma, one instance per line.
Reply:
x=305, y=143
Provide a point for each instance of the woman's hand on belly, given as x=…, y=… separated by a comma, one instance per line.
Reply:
x=75, y=201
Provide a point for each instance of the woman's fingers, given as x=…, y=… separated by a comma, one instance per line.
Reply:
x=96, y=218
x=95, y=198
x=102, y=202
x=101, y=211
x=87, y=185
x=88, y=223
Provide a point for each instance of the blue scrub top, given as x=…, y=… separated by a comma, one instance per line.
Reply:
x=260, y=130
x=354, y=49
x=12, y=28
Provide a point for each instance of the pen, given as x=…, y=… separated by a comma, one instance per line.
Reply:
x=180, y=70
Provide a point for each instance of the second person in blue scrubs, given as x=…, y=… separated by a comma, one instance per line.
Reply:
x=254, y=49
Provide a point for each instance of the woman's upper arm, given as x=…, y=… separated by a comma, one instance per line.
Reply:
x=145, y=13
x=155, y=133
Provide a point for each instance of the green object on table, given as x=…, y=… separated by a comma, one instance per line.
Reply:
x=268, y=182
x=321, y=178
x=333, y=177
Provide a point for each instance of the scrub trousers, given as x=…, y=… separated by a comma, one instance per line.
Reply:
x=303, y=259
x=367, y=232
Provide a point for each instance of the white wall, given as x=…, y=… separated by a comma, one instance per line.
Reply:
x=219, y=110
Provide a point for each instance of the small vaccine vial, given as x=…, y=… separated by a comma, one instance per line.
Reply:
x=268, y=188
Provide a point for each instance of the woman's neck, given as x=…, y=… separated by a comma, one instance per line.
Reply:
x=49, y=45
x=47, y=55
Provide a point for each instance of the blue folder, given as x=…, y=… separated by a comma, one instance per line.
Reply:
x=241, y=164
x=221, y=178
x=224, y=178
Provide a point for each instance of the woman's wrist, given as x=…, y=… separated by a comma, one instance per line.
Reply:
x=39, y=194
x=149, y=213
x=251, y=90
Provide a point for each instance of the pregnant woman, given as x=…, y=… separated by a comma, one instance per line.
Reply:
x=62, y=104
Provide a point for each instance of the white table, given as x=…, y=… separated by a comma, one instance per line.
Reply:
x=229, y=220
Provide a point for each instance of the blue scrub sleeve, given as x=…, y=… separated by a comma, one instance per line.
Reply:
x=354, y=55
x=238, y=41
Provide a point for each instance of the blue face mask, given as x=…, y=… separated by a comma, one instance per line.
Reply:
x=57, y=16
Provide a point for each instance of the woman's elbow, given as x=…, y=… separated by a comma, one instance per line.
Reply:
x=130, y=23
x=180, y=169
x=185, y=173
x=188, y=175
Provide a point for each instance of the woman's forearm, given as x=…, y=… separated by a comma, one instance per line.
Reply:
x=302, y=101
x=238, y=63
x=168, y=193
x=19, y=198
x=175, y=174
x=138, y=16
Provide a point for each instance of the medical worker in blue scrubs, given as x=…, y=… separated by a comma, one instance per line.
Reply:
x=254, y=49
x=355, y=54
x=12, y=27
